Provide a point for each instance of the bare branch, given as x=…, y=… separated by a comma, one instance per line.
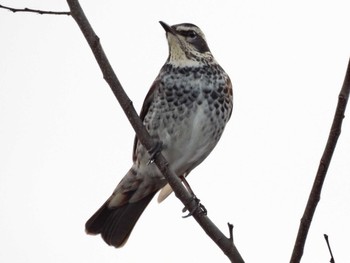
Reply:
x=180, y=191
x=29, y=10
x=329, y=248
x=315, y=193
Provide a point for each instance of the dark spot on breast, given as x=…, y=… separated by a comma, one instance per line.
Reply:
x=214, y=94
x=195, y=93
x=190, y=98
x=206, y=90
x=183, y=100
x=182, y=70
x=179, y=93
x=170, y=99
x=186, y=89
x=168, y=92
x=197, y=75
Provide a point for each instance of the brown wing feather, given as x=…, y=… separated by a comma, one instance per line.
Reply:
x=146, y=104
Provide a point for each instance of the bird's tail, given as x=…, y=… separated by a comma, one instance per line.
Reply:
x=116, y=223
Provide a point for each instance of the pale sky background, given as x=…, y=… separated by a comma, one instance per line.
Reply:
x=65, y=143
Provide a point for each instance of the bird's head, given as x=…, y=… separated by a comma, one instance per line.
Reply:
x=187, y=45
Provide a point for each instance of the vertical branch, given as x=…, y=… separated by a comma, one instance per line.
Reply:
x=315, y=193
x=225, y=244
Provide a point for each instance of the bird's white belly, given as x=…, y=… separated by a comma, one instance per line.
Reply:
x=190, y=141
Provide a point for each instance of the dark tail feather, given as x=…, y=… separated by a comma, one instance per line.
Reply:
x=116, y=224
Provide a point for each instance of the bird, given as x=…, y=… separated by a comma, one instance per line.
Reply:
x=186, y=110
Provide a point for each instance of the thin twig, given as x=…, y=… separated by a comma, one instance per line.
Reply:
x=230, y=230
x=315, y=193
x=29, y=10
x=329, y=248
x=180, y=191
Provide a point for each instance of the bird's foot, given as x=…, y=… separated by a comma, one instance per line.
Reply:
x=155, y=151
x=199, y=206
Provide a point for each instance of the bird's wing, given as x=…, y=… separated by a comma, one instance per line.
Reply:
x=146, y=104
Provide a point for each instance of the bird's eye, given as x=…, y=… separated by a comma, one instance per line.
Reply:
x=192, y=34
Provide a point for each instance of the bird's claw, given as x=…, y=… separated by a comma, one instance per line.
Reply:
x=155, y=151
x=199, y=206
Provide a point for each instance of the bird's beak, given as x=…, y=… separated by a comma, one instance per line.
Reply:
x=167, y=28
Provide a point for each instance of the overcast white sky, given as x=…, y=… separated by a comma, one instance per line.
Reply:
x=65, y=143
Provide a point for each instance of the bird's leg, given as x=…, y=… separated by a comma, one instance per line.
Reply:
x=156, y=150
x=194, y=197
x=187, y=185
